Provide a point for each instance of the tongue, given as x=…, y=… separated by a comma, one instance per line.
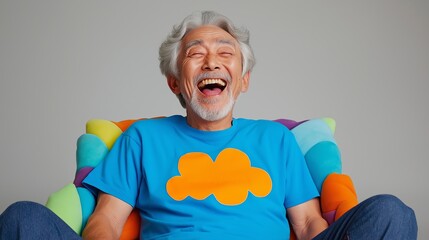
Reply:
x=212, y=92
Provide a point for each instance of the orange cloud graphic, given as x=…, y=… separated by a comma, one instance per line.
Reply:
x=229, y=178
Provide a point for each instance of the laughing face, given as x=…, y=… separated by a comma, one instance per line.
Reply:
x=211, y=79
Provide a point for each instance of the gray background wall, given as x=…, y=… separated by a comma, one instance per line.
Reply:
x=364, y=63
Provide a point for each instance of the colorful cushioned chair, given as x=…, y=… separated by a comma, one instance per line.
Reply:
x=74, y=203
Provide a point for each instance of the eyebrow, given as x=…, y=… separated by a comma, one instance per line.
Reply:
x=226, y=41
x=200, y=42
x=193, y=43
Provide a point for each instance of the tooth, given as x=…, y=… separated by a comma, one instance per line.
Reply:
x=211, y=81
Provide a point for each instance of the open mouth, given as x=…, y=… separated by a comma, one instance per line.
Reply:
x=211, y=86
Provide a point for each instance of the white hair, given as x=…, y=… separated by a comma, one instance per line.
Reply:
x=169, y=49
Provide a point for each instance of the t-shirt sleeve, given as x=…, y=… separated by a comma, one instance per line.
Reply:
x=299, y=183
x=119, y=174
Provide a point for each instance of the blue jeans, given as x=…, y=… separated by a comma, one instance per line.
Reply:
x=379, y=217
x=29, y=220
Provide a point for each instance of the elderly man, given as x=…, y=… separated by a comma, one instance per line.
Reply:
x=209, y=175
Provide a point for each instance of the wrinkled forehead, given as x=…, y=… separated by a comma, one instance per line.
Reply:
x=208, y=34
x=201, y=42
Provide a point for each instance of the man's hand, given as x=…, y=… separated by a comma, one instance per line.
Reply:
x=108, y=218
x=306, y=219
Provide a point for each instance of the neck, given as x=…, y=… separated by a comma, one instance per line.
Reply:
x=204, y=125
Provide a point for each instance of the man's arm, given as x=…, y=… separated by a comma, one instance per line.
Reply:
x=108, y=218
x=306, y=219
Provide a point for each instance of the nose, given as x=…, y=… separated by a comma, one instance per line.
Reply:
x=210, y=63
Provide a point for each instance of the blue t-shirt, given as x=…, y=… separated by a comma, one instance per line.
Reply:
x=192, y=184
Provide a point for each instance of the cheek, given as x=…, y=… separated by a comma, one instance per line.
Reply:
x=234, y=65
x=188, y=71
x=189, y=68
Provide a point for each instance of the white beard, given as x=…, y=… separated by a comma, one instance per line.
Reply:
x=207, y=114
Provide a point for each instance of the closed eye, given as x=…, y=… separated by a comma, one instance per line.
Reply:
x=226, y=54
x=196, y=54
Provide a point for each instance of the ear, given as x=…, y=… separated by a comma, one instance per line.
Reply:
x=245, y=82
x=173, y=83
